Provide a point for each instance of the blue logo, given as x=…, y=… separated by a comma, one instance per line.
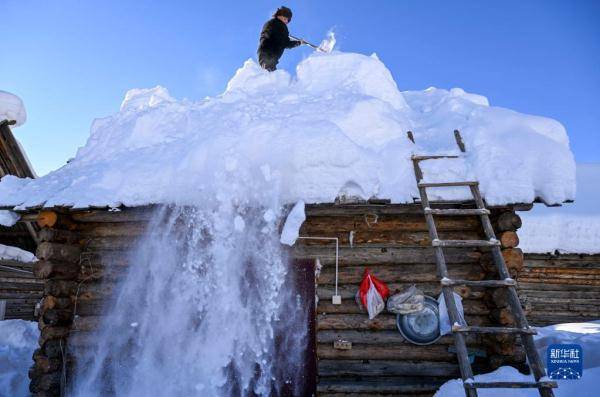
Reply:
x=564, y=361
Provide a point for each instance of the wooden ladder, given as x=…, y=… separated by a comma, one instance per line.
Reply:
x=459, y=328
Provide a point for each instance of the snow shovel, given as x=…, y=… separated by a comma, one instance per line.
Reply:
x=318, y=48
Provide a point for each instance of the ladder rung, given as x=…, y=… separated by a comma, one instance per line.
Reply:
x=433, y=157
x=510, y=385
x=493, y=330
x=447, y=184
x=465, y=243
x=509, y=282
x=457, y=211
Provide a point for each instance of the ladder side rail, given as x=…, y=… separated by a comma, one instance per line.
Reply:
x=448, y=292
x=513, y=300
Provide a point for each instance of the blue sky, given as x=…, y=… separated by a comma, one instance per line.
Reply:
x=73, y=61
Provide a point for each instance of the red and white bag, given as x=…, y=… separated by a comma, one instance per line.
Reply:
x=372, y=294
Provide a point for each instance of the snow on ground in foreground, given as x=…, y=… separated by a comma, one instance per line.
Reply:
x=585, y=334
x=18, y=340
x=11, y=108
x=572, y=228
x=338, y=125
x=587, y=386
x=16, y=254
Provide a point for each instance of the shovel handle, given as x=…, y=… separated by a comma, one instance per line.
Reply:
x=307, y=43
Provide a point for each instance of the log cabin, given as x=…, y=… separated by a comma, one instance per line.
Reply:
x=82, y=256
x=20, y=291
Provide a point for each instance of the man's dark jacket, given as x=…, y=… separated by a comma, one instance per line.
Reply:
x=274, y=39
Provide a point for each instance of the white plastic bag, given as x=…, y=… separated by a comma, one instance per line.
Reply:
x=410, y=301
x=375, y=303
x=445, y=326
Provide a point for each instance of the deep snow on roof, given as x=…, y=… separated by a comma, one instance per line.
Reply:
x=337, y=127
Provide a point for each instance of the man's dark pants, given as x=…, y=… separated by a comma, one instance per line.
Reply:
x=268, y=61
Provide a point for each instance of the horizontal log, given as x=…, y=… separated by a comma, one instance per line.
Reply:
x=405, y=352
x=349, y=306
x=562, y=295
x=398, y=274
x=381, y=254
x=53, y=302
x=52, y=333
x=59, y=236
x=58, y=316
x=385, y=386
x=86, y=323
x=110, y=243
x=508, y=221
x=53, y=219
x=60, y=288
x=348, y=291
x=508, y=239
x=58, y=252
x=56, y=270
x=385, y=337
x=20, y=294
x=133, y=214
x=377, y=368
x=513, y=257
x=561, y=273
x=535, y=285
x=383, y=321
x=112, y=229
x=559, y=281
x=369, y=223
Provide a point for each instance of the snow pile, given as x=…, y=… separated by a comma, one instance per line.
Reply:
x=11, y=108
x=338, y=125
x=585, y=334
x=18, y=340
x=17, y=254
x=8, y=218
x=572, y=228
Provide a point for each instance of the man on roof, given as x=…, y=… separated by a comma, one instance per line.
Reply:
x=275, y=38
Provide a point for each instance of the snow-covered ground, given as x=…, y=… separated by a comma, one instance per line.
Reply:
x=572, y=228
x=585, y=334
x=337, y=127
x=11, y=108
x=18, y=340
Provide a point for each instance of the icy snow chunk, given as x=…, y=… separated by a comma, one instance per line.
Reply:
x=140, y=98
x=8, y=218
x=239, y=224
x=16, y=254
x=12, y=108
x=328, y=44
x=293, y=222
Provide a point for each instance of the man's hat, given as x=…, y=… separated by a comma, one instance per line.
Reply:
x=284, y=12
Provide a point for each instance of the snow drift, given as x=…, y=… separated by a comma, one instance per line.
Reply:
x=338, y=125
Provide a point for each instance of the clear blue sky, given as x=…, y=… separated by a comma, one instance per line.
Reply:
x=72, y=61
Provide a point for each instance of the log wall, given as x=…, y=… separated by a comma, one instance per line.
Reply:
x=19, y=289
x=393, y=242
x=557, y=288
x=83, y=254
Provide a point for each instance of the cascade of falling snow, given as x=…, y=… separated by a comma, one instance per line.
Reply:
x=201, y=311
